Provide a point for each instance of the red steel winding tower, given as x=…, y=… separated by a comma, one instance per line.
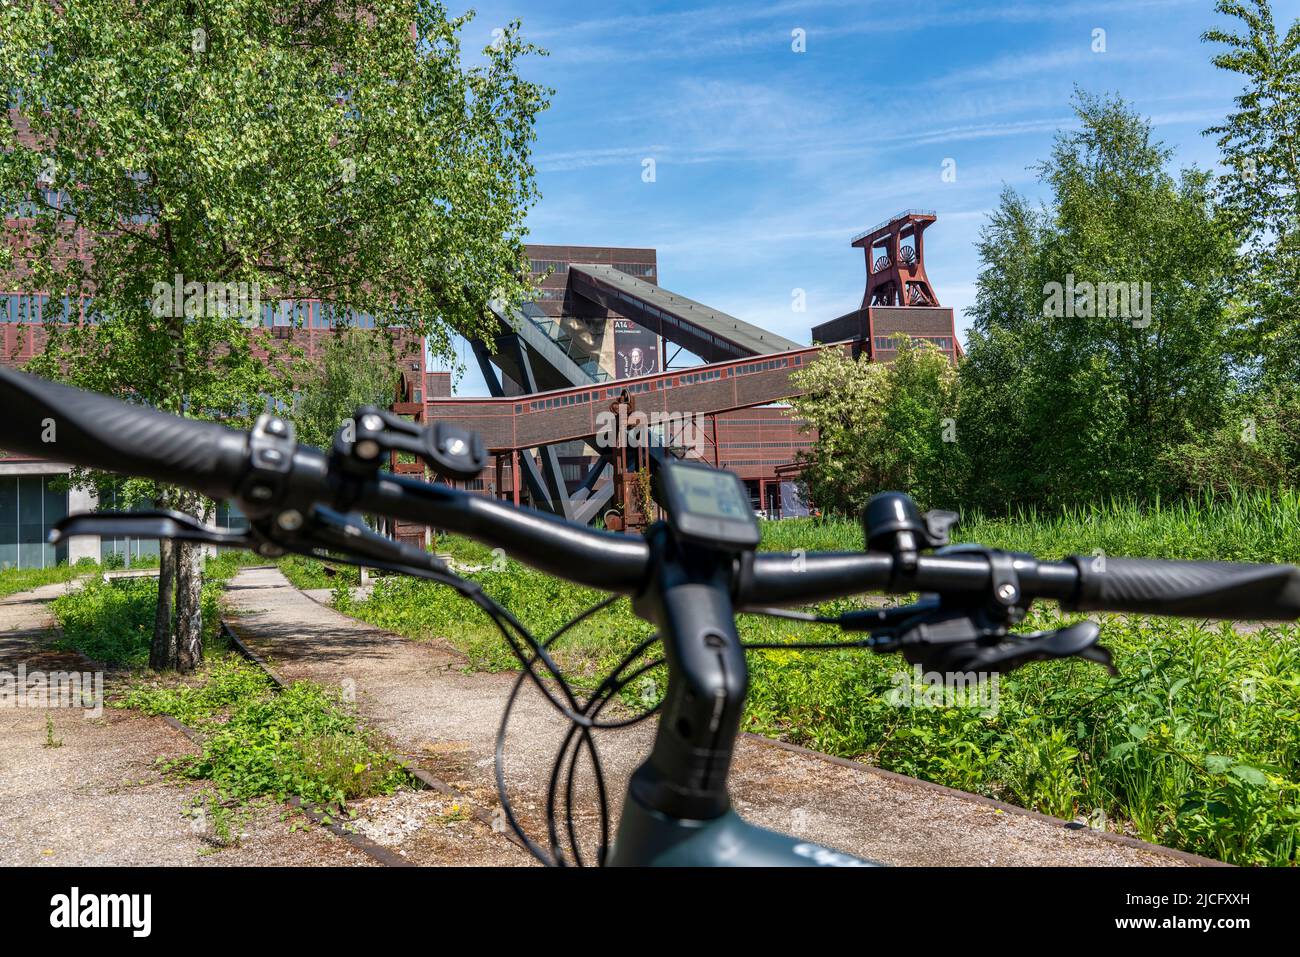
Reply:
x=895, y=253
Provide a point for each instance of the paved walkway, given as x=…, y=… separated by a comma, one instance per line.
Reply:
x=420, y=694
x=85, y=790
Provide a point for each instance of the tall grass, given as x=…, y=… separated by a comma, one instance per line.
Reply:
x=1242, y=526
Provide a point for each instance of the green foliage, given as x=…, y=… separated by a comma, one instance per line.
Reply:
x=112, y=621
x=302, y=741
x=1256, y=446
x=239, y=150
x=881, y=427
x=50, y=740
x=1196, y=745
x=308, y=573
x=1069, y=402
x=1259, y=190
x=362, y=158
x=1238, y=526
x=355, y=368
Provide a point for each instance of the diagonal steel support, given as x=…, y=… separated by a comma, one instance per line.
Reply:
x=545, y=483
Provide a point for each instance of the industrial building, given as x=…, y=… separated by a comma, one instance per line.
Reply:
x=601, y=334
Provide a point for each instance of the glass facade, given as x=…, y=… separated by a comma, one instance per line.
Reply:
x=29, y=505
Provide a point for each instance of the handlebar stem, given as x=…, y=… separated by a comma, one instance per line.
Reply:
x=688, y=599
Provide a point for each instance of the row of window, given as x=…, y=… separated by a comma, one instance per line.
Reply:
x=793, y=444
x=29, y=505
x=559, y=267
x=767, y=365
x=728, y=422
x=49, y=198
x=540, y=266
x=559, y=401
x=642, y=270
x=943, y=343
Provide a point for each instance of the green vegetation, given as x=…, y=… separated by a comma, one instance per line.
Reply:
x=302, y=741
x=112, y=621
x=1196, y=745
x=1133, y=336
x=307, y=573
x=254, y=149
x=881, y=426
x=1259, y=190
x=13, y=580
x=354, y=368
x=1240, y=526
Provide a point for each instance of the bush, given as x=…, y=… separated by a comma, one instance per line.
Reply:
x=112, y=622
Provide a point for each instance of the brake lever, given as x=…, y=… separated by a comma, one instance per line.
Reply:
x=324, y=528
x=1017, y=650
x=961, y=639
x=149, y=524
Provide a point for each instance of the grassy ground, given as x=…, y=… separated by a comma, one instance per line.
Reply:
x=1196, y=745
x=257, y=743
x=14, y=580
x=1243, y=527
x=112, y=621
x=304, y=741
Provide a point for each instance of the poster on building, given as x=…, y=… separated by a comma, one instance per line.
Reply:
x=636, y=350
x=793, y=503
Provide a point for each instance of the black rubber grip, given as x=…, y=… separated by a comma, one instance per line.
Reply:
x=1188, y=589
x=63, y=424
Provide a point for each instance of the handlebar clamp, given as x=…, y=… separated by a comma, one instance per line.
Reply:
x=361, y=443
x=271, y=445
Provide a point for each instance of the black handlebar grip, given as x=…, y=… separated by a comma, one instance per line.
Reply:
x=63, y=424
x=1188, y=589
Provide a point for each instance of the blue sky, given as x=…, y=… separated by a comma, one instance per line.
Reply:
x=768, y=161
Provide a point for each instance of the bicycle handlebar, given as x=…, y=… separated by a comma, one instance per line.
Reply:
x=54, y=421
x=58, y=422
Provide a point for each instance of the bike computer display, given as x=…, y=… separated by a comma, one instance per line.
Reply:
x=707, y=506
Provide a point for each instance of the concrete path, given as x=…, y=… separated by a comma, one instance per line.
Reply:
x=86, y=790
x=422, y=696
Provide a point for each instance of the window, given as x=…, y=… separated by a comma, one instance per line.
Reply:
x=643, y=270
x=29, y=505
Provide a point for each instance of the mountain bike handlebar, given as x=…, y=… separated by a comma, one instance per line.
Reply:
x=62, y=423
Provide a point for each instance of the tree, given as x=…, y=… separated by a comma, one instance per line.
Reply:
x=880, y=427
x=1259, y=192
x=355, y=368
x=175, y=150
x=1101, y=321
